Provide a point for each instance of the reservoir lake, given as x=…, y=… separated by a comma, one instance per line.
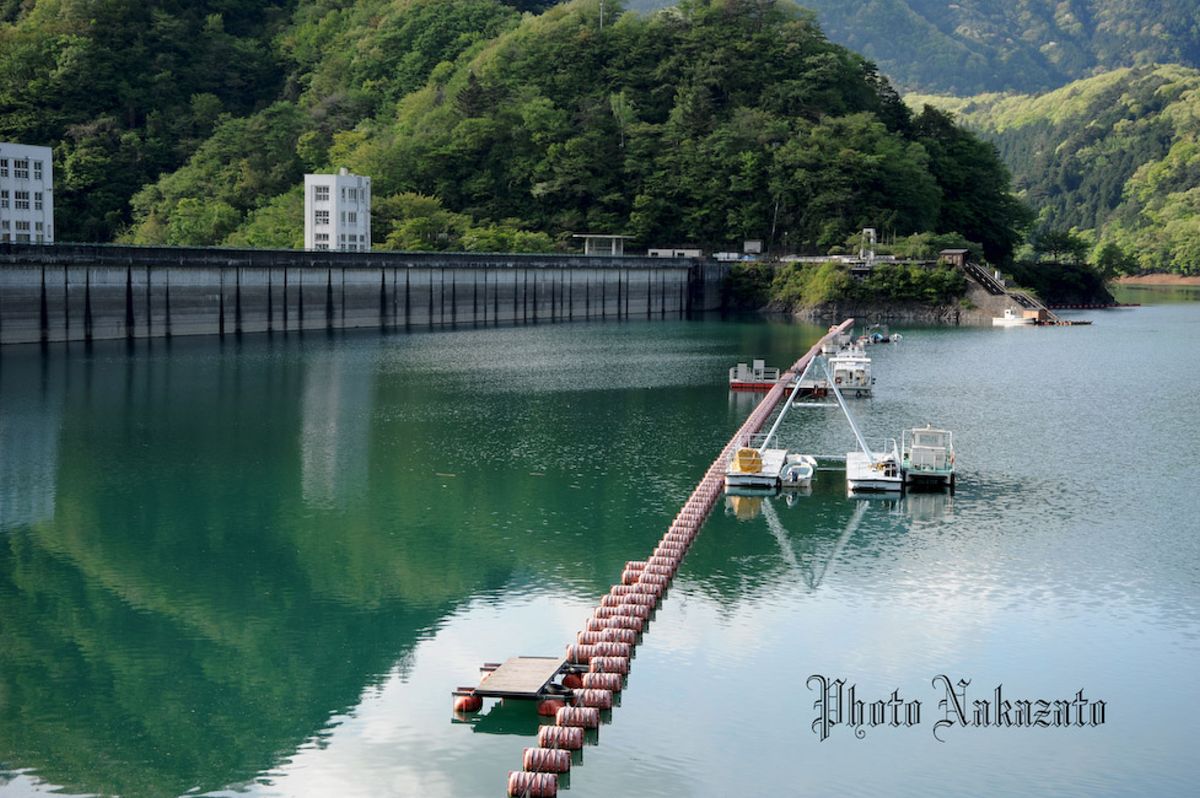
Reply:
x=258, y=567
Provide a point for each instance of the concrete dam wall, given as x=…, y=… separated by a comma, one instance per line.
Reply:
x=91, y=292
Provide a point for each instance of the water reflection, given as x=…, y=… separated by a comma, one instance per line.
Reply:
x=336, y=428
x=32, y=395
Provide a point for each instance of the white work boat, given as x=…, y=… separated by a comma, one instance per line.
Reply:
x=927, y=457
x=755, y=377
x=852, y=372
x=1011, y=318
x=868, y=471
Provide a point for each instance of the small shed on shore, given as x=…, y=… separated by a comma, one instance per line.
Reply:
x=954, y=257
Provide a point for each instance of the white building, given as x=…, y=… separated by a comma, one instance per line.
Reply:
x=337, y=212
x=26, y=194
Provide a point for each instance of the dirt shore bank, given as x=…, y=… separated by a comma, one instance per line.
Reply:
x=1158, y=279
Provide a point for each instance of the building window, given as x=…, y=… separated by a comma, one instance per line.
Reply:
x=41, y=239
x=321, y=217
x=321, y=193
x=37, y=170
x=37, y=200
x=353, y=195
x=37, y=226
x=22, y=226
x=352, y=217
x=21, y=200
x=3, y=167
x=3, y=224
x=21, y=168
x=322, y=247
x=3, y=199
x=322, y=237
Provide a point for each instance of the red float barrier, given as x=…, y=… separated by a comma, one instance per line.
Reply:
x=635, y=565
x=532, y=785
x=609, y=665
x=653, y=590
x=643, y=611
x=569, y=737
x=572, y=681
x=642, y=599
x=657, y=570
x=468, y=703
x=616, y=622
x=584, y=717
x=578, y=654
x=663, y=561
x=622, y=590
x=654, y=579
x=546, y=760
x=612, y=650
x=600, y=699
x=610, y=600
x=606, y=636
x=602, y=681
x=550, y=706
x=630, y=577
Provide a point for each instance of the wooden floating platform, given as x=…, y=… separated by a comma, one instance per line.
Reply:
x=521, y=677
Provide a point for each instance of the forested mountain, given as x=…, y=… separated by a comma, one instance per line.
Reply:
x=483, y=125
x=125, y=89
x=973, y=46
x=1116, y=156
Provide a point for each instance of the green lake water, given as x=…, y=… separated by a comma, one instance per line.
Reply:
x=260, y=567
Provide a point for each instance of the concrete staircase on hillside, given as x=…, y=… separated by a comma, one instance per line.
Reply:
x=989, y=283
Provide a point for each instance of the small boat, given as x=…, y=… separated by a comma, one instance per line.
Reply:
x=755, y=377
x=752, y=469
x=852, y=372
x=1011, y=318
x=867, y=471
x=798, y=471
x=927, y=457
x=879, y=334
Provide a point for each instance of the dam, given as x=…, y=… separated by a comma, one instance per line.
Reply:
x=85, y=292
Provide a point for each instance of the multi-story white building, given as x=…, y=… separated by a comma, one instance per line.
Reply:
x=26, y=194
x=337, y=212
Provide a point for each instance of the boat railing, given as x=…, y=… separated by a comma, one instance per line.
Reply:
x=882, y=447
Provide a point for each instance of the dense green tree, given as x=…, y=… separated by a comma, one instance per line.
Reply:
x=125, y=90
x=975, y=186
x=1059, y=246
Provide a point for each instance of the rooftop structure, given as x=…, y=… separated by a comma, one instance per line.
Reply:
x=602, y=244
x=26, y=194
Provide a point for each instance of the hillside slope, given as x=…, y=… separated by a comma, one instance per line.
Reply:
x=1116, y=156
x=729, y=119
x=973, y=46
